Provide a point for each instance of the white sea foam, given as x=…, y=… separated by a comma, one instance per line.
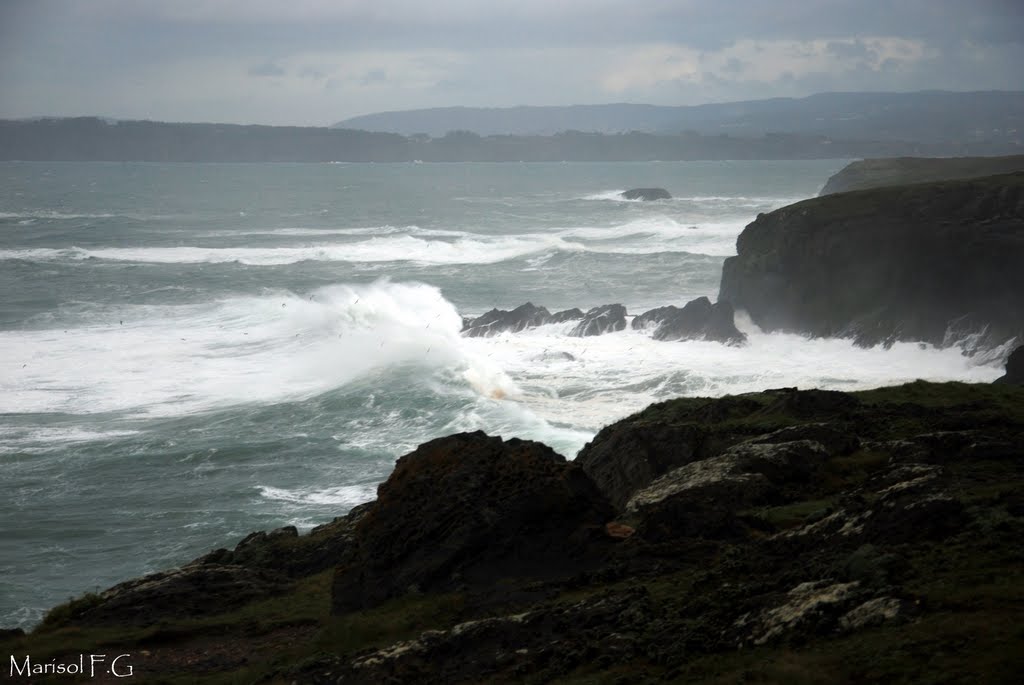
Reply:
x=586, y=383
x=641, y=236
x=342, y=496
x=173, y=360
x=53, y=214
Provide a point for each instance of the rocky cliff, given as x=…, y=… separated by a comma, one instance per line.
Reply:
x=891, y=171
x=932, y=262
x=775, y=537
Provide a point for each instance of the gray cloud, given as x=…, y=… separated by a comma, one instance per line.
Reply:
x=267, y=69
x=196, y=59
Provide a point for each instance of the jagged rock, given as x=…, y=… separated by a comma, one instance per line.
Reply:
x=566, y=315
x=467, y=510
x=914, y=263
x=285, y=551
x=647, y=194
x=499, y=321
x=871, y=613
x=903, y=503
x=1014, y=368
x=543, y=643
x=837, y=439
x=622, y=460
x=813, y=607
x=703, y=497
x=698, y=319
x=599, y=320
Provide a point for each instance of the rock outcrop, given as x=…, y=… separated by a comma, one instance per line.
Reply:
x=467, y=511
x=1014, y=368
x=936, y=262
x=876, y=173
x=600, y=320
x=647, y=194
x=499, y=321
x=697, y=320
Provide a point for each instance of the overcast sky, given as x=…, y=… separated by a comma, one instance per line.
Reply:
x=316, y=62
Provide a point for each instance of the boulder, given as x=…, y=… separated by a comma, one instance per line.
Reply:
x=698, y=319
x=599, y=320
x=647, y=194
x=1014, y=369
x=468, y=511
x=566, y=315
x=702, y=498
x=499, y=321
x=937, y=262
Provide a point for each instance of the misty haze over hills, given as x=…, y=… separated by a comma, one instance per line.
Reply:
x=926, y=117
x=832, y=125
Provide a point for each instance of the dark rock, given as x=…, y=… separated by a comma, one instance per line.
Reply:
x=647, y=194
x=937, y=262
x=837, y=439
x=534, y=646
x=624, y=459
x=286, y=552
x=11, y=633
x=875, y=173
x=599, y=320
x=698, y=319
x=566, y=315
x=1014, y=368
x=191, y=591
x=702, y=498
x=499, y=321
x=468, y=510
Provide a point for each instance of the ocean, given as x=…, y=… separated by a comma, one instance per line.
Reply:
x=189, y=353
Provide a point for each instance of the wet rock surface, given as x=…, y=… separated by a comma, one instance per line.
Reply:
x=697, y=320
x=600, y=320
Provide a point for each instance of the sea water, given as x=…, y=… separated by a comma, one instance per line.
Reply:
x=189, y=353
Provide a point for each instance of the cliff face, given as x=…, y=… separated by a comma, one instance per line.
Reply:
x=876, y=173
x=921, y=262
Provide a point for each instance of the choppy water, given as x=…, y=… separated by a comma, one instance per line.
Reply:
x=192, y=352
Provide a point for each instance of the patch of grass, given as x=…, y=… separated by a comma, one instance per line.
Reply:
x=400, y=619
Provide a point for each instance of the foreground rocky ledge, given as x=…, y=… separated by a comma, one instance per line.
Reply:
x=782, y=536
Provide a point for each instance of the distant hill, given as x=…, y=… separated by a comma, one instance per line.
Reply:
x=93, y=139
x=926, y=116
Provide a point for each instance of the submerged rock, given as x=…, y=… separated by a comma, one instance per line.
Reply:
x=599, y=320
x=697, y=320
x=646, y=194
